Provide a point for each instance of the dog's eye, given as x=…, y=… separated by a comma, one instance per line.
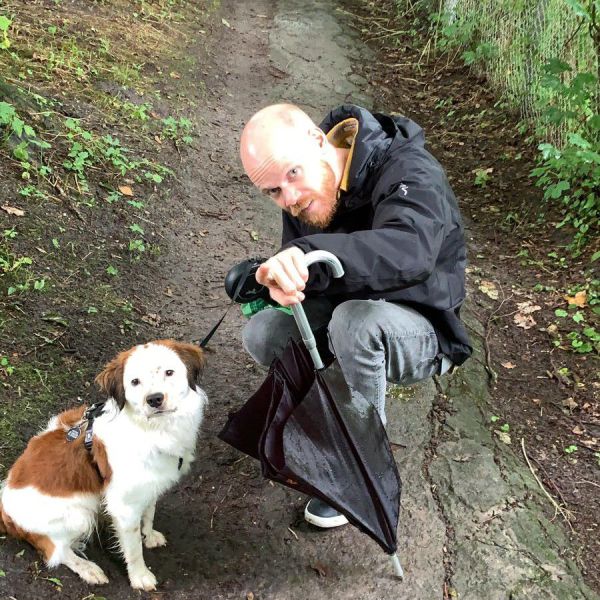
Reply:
x=169, y=372
x=135, y=382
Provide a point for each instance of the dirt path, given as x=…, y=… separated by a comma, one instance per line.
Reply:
x=467, y=523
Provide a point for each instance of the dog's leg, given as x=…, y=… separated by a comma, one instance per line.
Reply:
x=86, y=569
x=129, y=534
x=151, y=537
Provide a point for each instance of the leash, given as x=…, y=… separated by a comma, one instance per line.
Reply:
x=240, y=284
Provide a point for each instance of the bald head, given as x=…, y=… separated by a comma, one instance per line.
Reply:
x=276, y=133
x=290, y=160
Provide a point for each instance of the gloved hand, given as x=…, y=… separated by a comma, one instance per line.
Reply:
x=242, y=277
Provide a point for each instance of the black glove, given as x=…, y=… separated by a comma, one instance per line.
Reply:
x=241, y=284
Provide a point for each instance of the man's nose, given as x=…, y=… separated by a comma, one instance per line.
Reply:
x=290, y=196
x=155, y=400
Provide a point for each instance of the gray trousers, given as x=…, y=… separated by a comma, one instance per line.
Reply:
x=374, y=341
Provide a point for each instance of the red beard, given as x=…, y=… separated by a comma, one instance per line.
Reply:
x=327, y=199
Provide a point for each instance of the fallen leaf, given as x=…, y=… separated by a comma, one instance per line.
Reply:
x=579, y=299
x=250, y=596
x=524, y=321
x=536, y=401
x=254, y=235
x=157, y=139
x=504, y=436
x=591, y=443
x=578, y=430
x=174, y=75
x=126, y=190
x=11, y=210
x=508, y=365
x=321, y=569
x=570, y=403
x=527, y=307
x=489, y=289
x=151, y=319
x=225, y=22
x=553, y=328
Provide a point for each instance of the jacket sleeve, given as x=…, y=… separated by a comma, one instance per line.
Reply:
x=399, y=251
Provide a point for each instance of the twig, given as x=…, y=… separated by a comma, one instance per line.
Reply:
x=566, y=514
x=47, y=341
x=590, y=482
x=293, y=533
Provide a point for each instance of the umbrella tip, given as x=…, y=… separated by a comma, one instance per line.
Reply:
x=398, y=572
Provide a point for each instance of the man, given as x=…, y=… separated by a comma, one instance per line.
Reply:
x=363, y=187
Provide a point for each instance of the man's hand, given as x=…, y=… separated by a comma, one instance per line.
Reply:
x=285, y=274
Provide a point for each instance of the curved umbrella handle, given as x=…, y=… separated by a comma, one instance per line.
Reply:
x=300, y=316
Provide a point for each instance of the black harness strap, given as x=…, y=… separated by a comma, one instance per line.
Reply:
x=94, y=411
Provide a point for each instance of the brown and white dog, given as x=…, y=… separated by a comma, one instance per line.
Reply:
x=142, y=443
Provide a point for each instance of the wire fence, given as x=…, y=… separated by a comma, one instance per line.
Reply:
x=518, y=38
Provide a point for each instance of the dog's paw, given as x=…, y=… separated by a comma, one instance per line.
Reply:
x=143, y=579
x=93, y=574
x=154, y=539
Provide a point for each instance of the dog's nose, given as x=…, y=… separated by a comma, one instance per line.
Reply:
x=155, y=400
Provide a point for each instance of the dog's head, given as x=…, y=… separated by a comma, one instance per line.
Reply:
x=153, y=378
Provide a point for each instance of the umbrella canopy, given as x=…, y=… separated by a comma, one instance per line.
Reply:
x=311, y=434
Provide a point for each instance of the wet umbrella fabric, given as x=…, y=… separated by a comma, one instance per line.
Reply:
x=311, y=434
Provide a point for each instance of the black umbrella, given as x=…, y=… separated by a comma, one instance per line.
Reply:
x=311, y=434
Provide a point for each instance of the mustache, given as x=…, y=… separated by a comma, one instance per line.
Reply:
x=298, y=208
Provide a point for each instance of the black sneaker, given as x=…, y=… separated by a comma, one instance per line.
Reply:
x=322, y=515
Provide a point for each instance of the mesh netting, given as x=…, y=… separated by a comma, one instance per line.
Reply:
x=525, y=34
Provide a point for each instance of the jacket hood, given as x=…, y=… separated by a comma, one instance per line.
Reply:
x=377, y=134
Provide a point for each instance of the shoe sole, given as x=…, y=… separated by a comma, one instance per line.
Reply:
x=325, y=523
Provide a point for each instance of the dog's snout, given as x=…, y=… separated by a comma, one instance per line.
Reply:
x=155, y=400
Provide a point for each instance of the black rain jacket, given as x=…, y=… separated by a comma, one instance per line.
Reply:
x=397, y=232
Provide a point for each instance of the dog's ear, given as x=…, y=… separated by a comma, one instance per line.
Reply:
x=110, y=380
x=193, y=358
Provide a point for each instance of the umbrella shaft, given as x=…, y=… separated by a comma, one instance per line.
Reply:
x=307, y=335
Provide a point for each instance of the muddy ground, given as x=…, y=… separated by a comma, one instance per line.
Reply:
x=231, y=534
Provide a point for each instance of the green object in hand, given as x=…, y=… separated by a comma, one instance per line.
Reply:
x=251, y=308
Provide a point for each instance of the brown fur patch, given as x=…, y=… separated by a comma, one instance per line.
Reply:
x=110, y=380
x=101, y=460
x=191, y=355
x=58, y=467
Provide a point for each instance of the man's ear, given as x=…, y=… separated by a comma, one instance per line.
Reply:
x=320, y=136
x=110, y=380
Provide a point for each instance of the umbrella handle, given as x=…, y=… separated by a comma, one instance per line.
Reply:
x=300, y=316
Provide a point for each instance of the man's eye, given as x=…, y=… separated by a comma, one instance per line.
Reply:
x=169, y=372
x=273, y=191
x=294, y=171
x=135, y=382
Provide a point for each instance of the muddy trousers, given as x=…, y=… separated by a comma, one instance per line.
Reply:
x=374, y=341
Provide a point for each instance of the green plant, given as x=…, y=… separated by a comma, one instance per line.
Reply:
x=5, y=24
x=13, y=125
x=482, y=177
x=177, y=129
x=570, y=449
x=480, y=54
x=570, y=173
x=137, y=111
x=5, y=366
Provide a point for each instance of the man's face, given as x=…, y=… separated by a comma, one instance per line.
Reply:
x=304, y=188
